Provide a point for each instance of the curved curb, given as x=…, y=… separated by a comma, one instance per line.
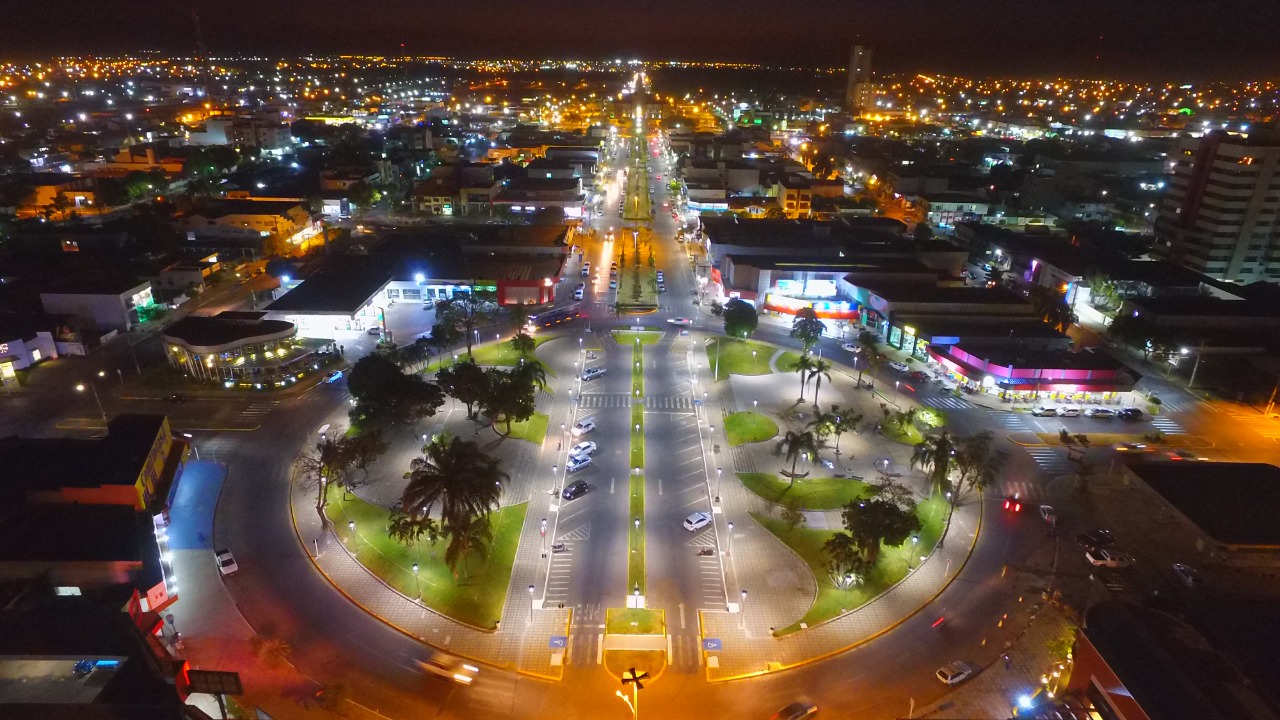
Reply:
x=293, y=518
x=883, y=631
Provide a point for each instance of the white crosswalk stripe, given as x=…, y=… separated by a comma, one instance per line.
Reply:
x=1167, y=426
x=258, y=410
x=952, y=403
x=1178, y=405
x=1024, y=490
x=1010, y=421
x=594, y=401
x=679, y=402
x=1050, y=460
x=1264, y=425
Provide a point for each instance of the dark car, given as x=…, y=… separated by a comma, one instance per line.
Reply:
x=1130, y=413
x=918, y=375
x=1096, y=539
x=575, y=490
x=176, y=398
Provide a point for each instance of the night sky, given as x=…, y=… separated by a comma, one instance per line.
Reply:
x=1140, y=39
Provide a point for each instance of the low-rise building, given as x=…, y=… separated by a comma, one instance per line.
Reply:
x=100, y=303
x=437, y=196
x=250, y=220
x=239, y=348
x=23, y=343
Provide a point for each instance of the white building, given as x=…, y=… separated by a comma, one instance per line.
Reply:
x=103, y=305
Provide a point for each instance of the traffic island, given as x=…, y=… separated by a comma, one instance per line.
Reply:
x=475, y=597
x=635, y=638
x=731, y=356
x=824, y=493
x=748, y=427
x=494, y=354
x=636, y=527
x=893, y=565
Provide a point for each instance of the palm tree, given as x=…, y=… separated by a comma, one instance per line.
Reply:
x=468, y=535
x=410, y=529
x=456, y=475
x=802, y=368
x=793, y=445
x=530, y=373
x=846, y=420
x=935, y=456
x=523, y=343
x=818, y=371
x=824, y=424
x=869, y=354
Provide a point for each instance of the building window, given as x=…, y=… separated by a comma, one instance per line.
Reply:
x=393, y=293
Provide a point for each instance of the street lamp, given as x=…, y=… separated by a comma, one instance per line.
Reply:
x=719, y=471
x=96, y=399
x=730, y=553
x=742, y=611
x=896, y=383
x=192, y=444
x=531, y=603
x=417, y=586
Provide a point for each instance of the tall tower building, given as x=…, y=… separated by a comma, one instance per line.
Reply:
x=859, y=93
x=1221, y=213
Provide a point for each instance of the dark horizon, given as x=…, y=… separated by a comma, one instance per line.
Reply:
x=981, y=38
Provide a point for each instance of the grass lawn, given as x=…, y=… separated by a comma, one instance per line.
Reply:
x=475, y=598
x=909, y=436
x=616, y=662
x=748, y=427
x=635, y=621
x=635, y=536
x=891, y=567
x=736, y=357
x=631, y=277
x=534, y=429
x=787, y=361
x=627, y=337
x=637, y=370
x=637, y=436
x=498, y=354
x=824, y=493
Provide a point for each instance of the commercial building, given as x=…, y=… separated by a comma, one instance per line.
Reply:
x=1022, y=369
x=250, y=220
x=100, y=303
x=1221, y=212
x=859, y=94
x=241, y=348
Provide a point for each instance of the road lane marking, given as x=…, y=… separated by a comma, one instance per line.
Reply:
x=600, y=648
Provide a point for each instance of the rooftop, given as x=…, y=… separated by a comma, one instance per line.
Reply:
x=1233, y=503
x=915, y=292
x=1205, y=306
x=223, y=329
x=222, y=208
x=339, y=288
x=75, y=533
x=53, y=463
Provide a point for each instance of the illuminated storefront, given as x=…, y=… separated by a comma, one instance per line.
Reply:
x=1027, y=375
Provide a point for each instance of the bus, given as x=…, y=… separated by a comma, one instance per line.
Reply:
x=552, y=317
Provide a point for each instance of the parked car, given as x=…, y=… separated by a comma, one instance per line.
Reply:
x=680, y=321
x=1095, y=539
x=954, y=673
x=226, y=562
x=593, y=373
x=1131, y=414
x=334, y=376
x=1099, y=412
x=899, y=366
x=583, y=448
x=583, y=427
x=1188, y=575
x=1068, y=411
x=613, y=284
x=575, y=490
x=449, y=667
x=851, y=347
x=1108, y=558
x=375, y=330
x=576, y=463
x=796, y=711
x=1044, y=411
x=1048, y=514
x=697, y=521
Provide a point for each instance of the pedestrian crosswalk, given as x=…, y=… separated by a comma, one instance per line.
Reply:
x=596, y=401
x=1265, y=425
x=1050, y=460
x=1178, y=405
x=587, y=641
x=677, y=402
x=599, y=401
x=946, y=403
x=1024, y=490
x=1167, y=426
x=1010, y=421
x=258, y=410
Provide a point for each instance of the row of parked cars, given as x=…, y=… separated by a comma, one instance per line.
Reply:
x=1094, y=411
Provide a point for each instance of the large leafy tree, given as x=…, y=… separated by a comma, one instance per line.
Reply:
x=821, y=369
x=385, y=395
x=511, y=396
x=869, y=355
x=1051, y=305
x=466, y=312
x=444, y=335
x=410, y=530
x=740, y=319
x=876, y=522
x=466, y=382
x=330, y=461
x=840, y=421
x=455, y=477
x=936, y=456
x=795, y=445
x=845, y=562
x=977, y=464
x=807, y=328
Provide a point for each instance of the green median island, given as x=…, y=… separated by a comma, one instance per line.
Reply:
x=635, y=530
x=822, y=493
x=635, y=621
x=732, y=356
x=891, y=567
x=475, y=597
x=748, y=427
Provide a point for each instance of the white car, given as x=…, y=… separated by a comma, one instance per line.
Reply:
x=583, y=427
x=583, y=448
x=226, y=562
x=1068, y=411
x=954, y=673
x=679, y=321
x=899, y=366
x=1048, y=514
x=1099, y=412
x=450, y=668
x=577, y=462
x=697, y=521
x=593, y=373
x=1108, y=558
x=1188, y=575
x=577, y=294
x=851, y=347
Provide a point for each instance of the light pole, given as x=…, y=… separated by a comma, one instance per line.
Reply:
x=531, y=603
x=543, y=532
x=719, y=471
x=96, y=399
x=555, y=473
x=742, y=611
x=730, y=553
x=194, y=449
x=896, y=383
x=416, y=585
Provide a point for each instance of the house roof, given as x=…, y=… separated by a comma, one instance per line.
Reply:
x=53, y=463
x=1233, y=503
x=223, y=329
x=339, y=288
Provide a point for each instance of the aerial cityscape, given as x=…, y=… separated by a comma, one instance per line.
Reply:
x=387, y=370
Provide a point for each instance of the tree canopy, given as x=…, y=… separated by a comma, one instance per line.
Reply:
x=385, y=395
x=740, y=319
x=872, y=523
x=807, y=328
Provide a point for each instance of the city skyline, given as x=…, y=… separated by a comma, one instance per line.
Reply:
x=986, y=38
